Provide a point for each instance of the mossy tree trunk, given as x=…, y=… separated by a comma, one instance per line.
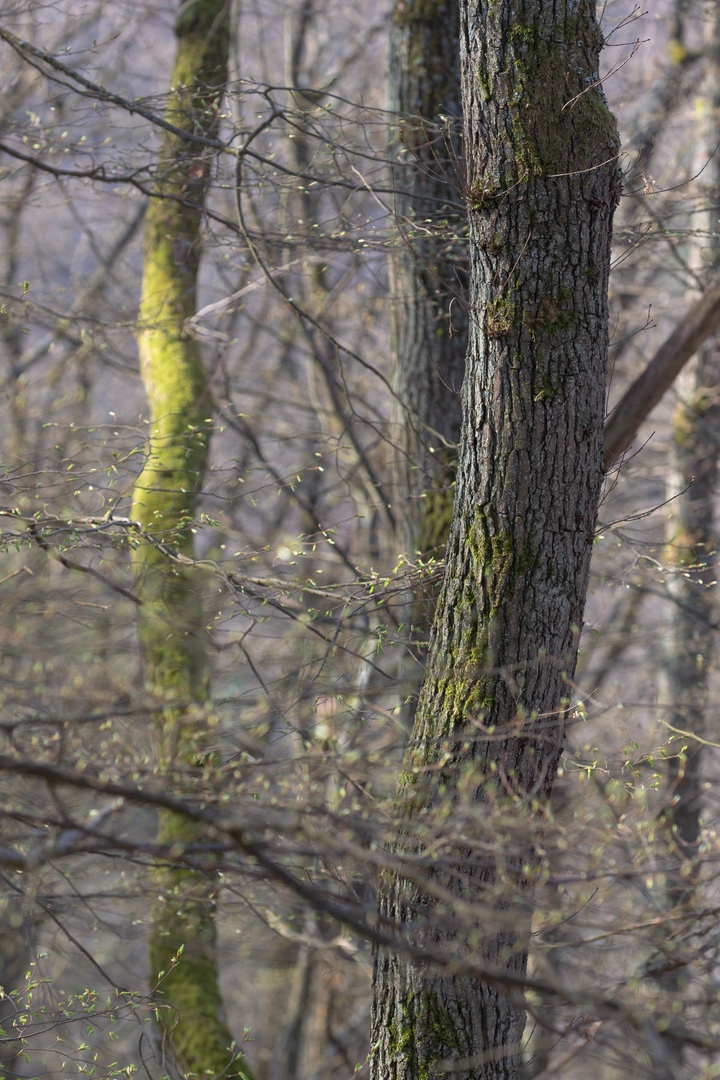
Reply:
x=540, y=147
x=172, y=635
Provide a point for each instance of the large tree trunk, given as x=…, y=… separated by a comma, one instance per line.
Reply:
x=172, y=636
x=540, y=146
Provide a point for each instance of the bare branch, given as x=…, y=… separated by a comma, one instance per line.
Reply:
x=640, y=399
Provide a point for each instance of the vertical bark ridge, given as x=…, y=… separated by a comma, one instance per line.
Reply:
x=541, y=146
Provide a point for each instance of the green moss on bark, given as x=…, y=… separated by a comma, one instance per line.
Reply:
x=182, y=959
x=500, y=556
x=558, y=119
x=425, y=1032
x=171, y=632
x=489, y=721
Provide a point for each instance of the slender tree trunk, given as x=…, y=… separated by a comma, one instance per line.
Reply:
x=172, y=636
x=429, y=318
x=693, y=540
x=690, y=644
x=690, y=647
x=16, y=932
x=428, y=268
x=542, y=186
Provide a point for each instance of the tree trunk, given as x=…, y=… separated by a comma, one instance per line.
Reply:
x=541, y=146
x=428, y=313
x=172, y=635
x=693, y=541
x=690, y=648
x=428, y=268
x=693, y=553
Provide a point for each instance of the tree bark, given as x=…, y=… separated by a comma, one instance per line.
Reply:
x=428, y=269
x=428, y=312
x=171, y=631
x=691, y=556
x=541, y=150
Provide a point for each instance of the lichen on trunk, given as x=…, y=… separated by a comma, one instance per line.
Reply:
x=540, y=147
x=171, y=630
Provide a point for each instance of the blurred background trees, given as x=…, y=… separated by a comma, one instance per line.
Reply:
x=305, y=543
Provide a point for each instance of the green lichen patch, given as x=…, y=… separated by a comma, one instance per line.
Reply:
x=187, y=995
x=484, y=83
x=498, y=317
x=425, y=1032
x=499, y=556
x=558, y=119
x=469, y=683
x=170, y=626
x=553, y=314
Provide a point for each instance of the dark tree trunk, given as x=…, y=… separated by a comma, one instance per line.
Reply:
x=540, y=146
x=428, y=268
x=429, y=318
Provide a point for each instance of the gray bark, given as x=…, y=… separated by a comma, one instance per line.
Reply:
x=690, y=644
x=429, y=318
x=540, y=147
x=428, y=268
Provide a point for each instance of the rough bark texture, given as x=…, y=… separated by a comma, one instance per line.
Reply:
x=428, y=269
x=172, y=636
x=540, y=146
